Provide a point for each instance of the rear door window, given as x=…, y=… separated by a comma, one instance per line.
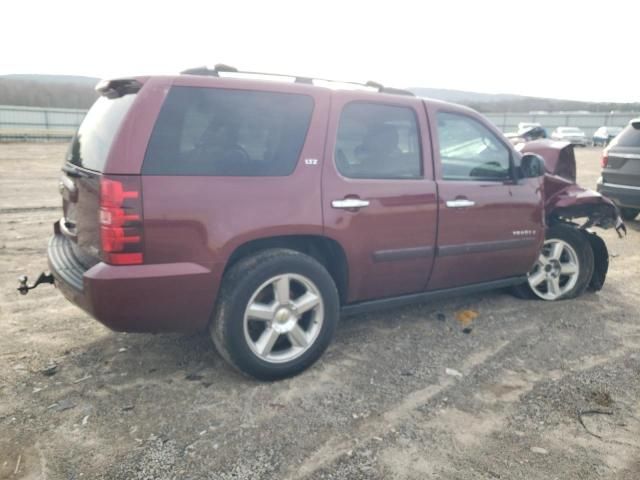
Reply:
x=212, y=131
x=378, y=141
x=92, y=142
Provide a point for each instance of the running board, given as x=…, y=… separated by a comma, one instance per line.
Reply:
x=395, y=302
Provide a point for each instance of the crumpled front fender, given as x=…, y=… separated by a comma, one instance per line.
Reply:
x=564, y=199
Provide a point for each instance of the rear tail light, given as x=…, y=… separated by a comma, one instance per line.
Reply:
x=121, y=220
x=604, y=161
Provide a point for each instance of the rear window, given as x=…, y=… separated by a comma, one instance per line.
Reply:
x=630, y=137
x=212, y=131
x=92, y=142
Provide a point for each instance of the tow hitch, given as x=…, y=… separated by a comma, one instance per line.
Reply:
x=23, y=288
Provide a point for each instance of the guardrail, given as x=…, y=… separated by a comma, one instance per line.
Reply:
x=588, y=122
x=19, y=124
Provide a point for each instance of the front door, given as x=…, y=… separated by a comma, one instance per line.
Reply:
x=490, y=224
x=379, y=197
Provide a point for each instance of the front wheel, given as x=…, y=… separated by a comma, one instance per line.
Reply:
x=276, y=314
x=564, y=267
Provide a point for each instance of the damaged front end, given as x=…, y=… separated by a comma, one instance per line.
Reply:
x=567, y=202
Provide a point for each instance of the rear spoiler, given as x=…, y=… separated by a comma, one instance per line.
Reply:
x=118, y=87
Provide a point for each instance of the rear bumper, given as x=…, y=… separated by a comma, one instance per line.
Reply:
x=622, y=195
x=173, y=297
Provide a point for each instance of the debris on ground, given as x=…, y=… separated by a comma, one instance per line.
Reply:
x=62, y=405
x=86, y=377
x=465, y=317
x=582, y=413
x=539, y=450
x=50, y=369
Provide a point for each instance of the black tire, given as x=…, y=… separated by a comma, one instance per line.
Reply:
x=239, y=285
x=629, y=213
x=582, y=247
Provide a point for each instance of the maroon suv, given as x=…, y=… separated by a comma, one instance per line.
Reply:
x=264, y=209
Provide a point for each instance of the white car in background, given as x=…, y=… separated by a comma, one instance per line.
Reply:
x=526, y=126
x=570, y=134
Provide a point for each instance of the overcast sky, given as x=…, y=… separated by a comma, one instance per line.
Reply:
x=565, y=49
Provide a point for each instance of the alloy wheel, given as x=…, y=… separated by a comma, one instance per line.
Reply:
x=556, y=270
x=283, y=318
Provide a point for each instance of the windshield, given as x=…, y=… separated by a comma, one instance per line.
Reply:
x=92, y=142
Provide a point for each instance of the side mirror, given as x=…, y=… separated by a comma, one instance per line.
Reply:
x=531, y=166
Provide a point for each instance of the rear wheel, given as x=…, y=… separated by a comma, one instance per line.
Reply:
x=629, y=213
x=564, y=267
x=276, y=314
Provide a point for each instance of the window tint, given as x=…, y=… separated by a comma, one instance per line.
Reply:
x=630, y=137
x=378, y=141
x=92, y=142
x=212, y=131
x=470, y=151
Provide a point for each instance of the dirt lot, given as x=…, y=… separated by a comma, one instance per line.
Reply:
x=380, y=404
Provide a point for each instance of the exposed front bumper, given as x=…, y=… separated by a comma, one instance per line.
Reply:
x=176, y=297
x=623, y=195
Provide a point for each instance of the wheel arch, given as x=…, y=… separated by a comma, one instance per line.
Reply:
x=600, y=260
x=325, y=250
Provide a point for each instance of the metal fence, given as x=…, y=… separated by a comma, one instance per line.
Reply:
x=38, y=124
x=588, y=122
x=45, y=124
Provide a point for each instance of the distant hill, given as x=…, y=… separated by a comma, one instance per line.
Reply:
x=70, y=91
x=61, y=91
x=488, y=102
x=73, y=79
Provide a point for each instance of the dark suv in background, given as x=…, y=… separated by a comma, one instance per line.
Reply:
x=620, y=178
x=263, y=209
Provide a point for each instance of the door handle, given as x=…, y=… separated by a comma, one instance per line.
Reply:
x=460, y=203
x=350, y=203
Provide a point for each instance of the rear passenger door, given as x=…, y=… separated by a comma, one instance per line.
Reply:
x=490, y=225
x=379, y=197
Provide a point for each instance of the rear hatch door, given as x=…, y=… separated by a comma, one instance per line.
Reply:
x=84, y=166
x=623, y=158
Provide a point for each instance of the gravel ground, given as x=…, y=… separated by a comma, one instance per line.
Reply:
x=537, y=391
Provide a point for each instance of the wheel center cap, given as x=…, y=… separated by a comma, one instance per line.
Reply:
x=553, y=269
x=284, y=320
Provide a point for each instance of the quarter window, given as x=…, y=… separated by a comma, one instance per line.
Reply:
x=378, y=141
x=213, y=131
x=470, y=151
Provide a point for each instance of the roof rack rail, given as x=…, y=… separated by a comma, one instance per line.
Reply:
x=222, y=68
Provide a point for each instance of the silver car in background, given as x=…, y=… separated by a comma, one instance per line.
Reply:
x=570, y=134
